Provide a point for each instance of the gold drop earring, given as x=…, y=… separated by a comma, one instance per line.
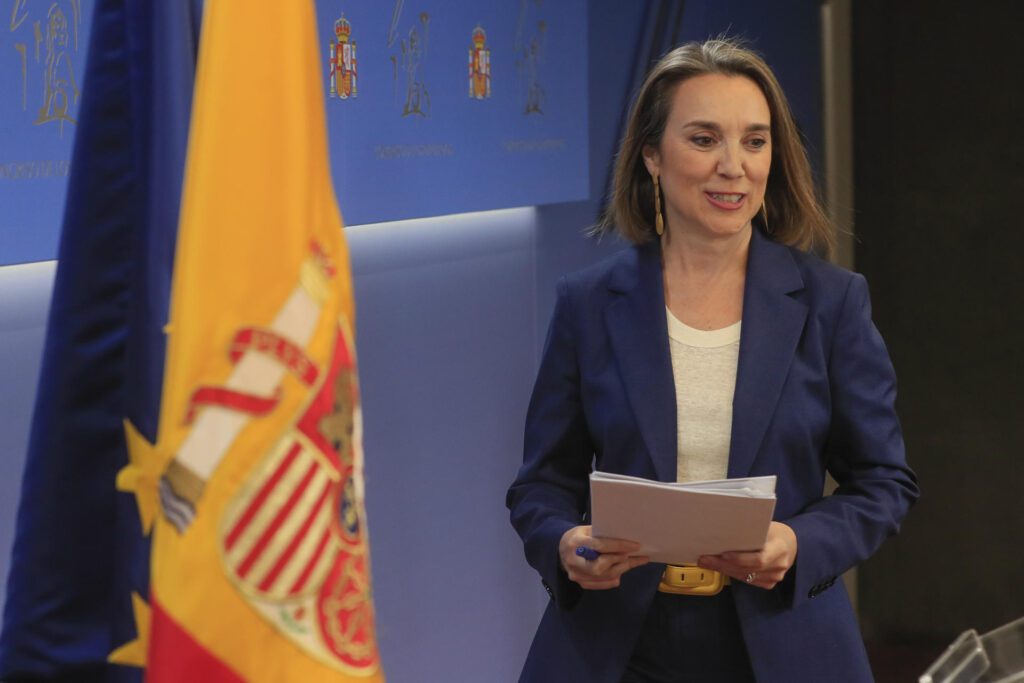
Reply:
x=659, y=222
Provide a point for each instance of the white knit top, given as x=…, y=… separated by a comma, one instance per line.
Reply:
x=704, y=369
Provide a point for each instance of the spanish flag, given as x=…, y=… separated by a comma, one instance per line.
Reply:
x=253, y=491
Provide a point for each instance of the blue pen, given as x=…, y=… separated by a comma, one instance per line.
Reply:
x=588, y=554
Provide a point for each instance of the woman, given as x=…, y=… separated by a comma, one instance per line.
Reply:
x=716, y=346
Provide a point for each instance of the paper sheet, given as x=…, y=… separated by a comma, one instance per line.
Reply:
x=678, y=522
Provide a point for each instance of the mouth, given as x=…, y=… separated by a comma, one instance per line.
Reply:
x=726, y=200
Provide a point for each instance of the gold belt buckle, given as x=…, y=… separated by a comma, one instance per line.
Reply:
x=689, y=579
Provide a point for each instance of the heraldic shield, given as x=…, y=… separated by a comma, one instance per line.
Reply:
x=293, y=540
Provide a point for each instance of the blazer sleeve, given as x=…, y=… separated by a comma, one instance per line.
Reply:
x=864, y=454
x=549, y=495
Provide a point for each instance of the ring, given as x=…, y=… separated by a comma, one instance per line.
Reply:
x=750, y=577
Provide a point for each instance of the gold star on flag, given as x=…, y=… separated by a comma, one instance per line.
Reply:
x=134, y=652
x=141, y=476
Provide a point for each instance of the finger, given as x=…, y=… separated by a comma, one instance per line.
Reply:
x=600, y=585
x=613, y=545
x=627, y=563
x=588, y=581
x=579, y=536
x=744, y=559
x=619, y=568
x=735, y=572
x=616, y=565
x=712, y=562
x=601, y=566
x=763, y=563
x=608, y=567
x=766, y=578
x=638, y=561
x=609, y=551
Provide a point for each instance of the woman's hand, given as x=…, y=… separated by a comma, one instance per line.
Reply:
x=604, y=572
x=765, y=567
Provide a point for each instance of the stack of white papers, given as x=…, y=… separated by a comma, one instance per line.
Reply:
x=676, y=523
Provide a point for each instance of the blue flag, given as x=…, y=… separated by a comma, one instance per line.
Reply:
x=79, y=550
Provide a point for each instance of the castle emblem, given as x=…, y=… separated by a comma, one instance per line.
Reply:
x=479, y=66
x=342, y=56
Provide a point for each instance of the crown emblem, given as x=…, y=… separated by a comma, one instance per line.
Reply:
x=342, y=29
x=479, y=38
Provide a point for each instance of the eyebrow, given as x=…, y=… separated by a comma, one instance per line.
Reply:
x=752, y=128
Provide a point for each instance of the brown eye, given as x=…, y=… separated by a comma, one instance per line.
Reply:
x=702, y=140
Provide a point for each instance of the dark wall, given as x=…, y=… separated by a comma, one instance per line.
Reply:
x=938, y=90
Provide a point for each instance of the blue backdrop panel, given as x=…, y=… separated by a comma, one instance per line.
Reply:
x=412, y=138
x=42, y=60
x=412, y=132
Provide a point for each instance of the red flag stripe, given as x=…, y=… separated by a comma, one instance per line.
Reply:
x=287, y=553
x=174, y=656
x=279, y=518
x=261, y=497
x=311, y=565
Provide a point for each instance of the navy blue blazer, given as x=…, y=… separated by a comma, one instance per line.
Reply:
x=815, y=393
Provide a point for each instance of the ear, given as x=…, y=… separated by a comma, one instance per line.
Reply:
x=652, y=159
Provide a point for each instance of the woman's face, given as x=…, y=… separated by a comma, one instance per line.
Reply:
x=714, y=156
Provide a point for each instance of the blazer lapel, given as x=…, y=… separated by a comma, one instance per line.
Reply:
x=772, y=324
x=638, y=330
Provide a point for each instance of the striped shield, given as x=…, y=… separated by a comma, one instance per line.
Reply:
x=282, y=532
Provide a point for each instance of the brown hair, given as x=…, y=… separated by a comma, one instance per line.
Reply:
x=795, y=216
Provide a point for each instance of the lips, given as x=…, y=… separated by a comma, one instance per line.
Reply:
x=726, y=200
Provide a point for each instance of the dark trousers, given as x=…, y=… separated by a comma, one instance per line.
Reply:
x=689, y=638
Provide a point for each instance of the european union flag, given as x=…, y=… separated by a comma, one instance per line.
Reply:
x=80, y=552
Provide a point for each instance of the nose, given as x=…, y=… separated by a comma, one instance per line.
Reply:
x=730, y=163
